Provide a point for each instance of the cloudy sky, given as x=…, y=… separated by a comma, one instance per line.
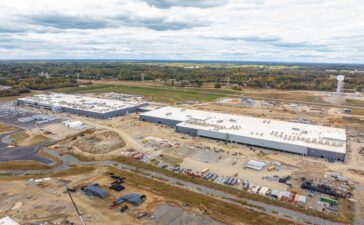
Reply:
x=245, y=30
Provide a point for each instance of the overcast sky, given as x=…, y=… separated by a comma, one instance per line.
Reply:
x=244, y=30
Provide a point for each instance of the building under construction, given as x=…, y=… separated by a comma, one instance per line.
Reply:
x=304, y=139
x=82, y=105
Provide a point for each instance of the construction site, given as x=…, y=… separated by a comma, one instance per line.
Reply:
x=292, y=157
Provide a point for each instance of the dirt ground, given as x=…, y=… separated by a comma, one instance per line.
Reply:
x=49, y=202
x=56, y=131
x=6, y=128
x=92, y=141
x=27, y=138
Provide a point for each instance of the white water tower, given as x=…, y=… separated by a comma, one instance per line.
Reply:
x=340, y=84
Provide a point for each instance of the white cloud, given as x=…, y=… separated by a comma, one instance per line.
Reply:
x=284, y=30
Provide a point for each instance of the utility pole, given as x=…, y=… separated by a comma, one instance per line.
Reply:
x=74, y=204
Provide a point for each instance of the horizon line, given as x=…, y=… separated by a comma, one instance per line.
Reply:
x=189, y=60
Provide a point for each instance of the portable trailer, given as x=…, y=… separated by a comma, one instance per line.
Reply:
x=236, y=181
x=211, y=176
x=206, y=170
x=246, y=185
x=256, y=189
x=206, y=175
x=228, y=180
x=301, y=201
x=291, y=197
x=233, y=181
x=215, y=176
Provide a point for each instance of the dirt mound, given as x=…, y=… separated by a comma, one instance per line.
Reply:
x=6, y=128
x=26, y=138
x=98, y=142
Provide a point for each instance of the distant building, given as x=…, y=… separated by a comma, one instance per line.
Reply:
x=82, y=105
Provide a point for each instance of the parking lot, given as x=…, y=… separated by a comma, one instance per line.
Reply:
x=23, y=120
x=11, y=115
x=22, y=153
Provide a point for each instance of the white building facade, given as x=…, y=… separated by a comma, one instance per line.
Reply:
x=298, y=138
x=81, y=105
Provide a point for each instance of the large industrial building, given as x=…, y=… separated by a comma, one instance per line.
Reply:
x=303, y=139
x=81, y=105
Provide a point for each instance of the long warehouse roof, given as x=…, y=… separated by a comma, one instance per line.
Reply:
x=91, y=104
x=308, y=135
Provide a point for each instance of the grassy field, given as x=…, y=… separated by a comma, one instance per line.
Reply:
x=167, y=94
x=24, y=165
x=352, y=102
x=159, y=94
x=69, y=172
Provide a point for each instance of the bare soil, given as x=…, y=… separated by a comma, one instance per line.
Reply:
x=95, y=142
x=27, y=138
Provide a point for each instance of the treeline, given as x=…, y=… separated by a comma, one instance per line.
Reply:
x=24, y=85
x=301, y=77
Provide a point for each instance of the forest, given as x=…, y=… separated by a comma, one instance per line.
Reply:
x=25, y=85
x=24, y=76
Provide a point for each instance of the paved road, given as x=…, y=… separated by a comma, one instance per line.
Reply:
x=23, y=153
x=20, y=153
x=4, y=139
x=357, y=207
x=254, y=205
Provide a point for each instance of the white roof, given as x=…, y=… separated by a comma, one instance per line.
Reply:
x=255, y=164
x=7, y=221
x=74, y=123
x=308, y=135
x=301, y=198
x=98, y=105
